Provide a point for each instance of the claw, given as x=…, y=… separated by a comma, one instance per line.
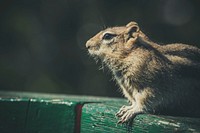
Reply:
x=127, y=113
x=120, y=112
x=120, y=121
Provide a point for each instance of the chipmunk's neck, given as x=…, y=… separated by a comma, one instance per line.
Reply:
x=120, y=69
x=115, y=64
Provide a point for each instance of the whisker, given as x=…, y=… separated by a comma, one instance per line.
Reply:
x=101, y=19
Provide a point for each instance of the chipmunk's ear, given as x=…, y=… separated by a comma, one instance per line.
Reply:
x=132, y=23
x=131, y=34
x=132, y=29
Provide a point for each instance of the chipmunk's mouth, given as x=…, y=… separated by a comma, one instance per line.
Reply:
x=93, y=50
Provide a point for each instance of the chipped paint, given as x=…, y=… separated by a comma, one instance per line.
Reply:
x=169, y=123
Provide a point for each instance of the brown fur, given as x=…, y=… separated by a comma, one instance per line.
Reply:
x=160, y=79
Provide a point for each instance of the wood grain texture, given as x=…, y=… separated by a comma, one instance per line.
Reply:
x=26, y=113
x=100, y=118
x=46, y=113
x=22, y=112
x=51, y=116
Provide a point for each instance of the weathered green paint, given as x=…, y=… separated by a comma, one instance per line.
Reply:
x=22, y=112
x=26, y=113
x=100, y=118
x=46, y=113
x=50, y=116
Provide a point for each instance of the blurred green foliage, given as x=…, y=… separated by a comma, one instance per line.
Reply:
x=42, y=42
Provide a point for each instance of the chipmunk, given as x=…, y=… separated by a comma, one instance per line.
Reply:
x=155, y=78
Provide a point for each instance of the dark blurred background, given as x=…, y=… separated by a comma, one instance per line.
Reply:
x=42, y=42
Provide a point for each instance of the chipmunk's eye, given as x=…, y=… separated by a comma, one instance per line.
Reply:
x=108, y=36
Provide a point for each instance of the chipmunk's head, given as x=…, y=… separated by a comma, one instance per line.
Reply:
x=114, y=42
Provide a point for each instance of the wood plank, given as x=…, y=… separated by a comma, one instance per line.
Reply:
x=51, y=116
x=48, y=113
x=36, y=113
x=43, y=113
x=99, y=117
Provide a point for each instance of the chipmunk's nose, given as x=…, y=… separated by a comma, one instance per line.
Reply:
x=88, y=45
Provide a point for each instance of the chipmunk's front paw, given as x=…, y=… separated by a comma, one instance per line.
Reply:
x=127, y=113
x=122, y=110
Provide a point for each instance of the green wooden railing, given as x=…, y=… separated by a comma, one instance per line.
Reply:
x=46, y=113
